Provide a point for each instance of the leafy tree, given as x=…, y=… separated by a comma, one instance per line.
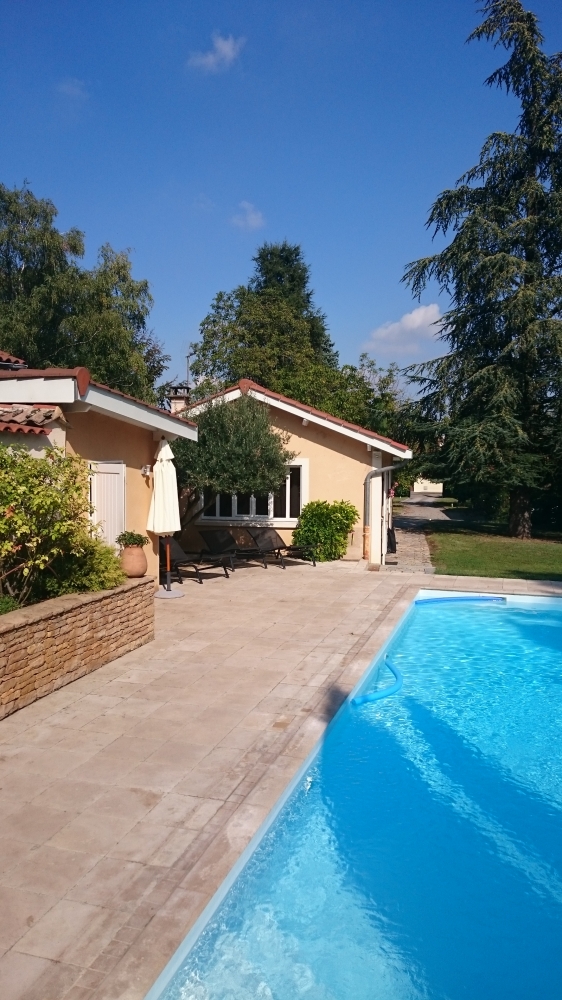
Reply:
x=490, y=410
x=365, y=394
x=55, y=313
x=237, y=450
x=269, y=331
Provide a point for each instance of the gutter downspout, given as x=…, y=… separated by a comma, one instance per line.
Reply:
x=367, y=502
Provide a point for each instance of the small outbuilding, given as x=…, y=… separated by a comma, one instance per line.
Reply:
x=335, y=460
x=117, y=434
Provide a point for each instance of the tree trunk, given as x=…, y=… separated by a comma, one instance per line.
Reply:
x=520, y=513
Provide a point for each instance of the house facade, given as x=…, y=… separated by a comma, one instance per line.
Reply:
x=334, y=460
x=117, y=435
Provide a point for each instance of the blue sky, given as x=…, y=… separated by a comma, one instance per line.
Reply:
x=192, y=132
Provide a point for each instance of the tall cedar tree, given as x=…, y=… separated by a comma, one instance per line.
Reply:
x=53, y=313
x=271, y=332
x=490, y=410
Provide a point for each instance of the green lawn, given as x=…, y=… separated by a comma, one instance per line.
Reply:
x=468, y=552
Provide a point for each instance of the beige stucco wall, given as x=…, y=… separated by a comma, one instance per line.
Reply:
x=337, y=466
x=36, y=444
x=102, y=439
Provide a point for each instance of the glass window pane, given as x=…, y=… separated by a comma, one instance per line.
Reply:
x=225, y=504
x=243, y=503
x=280, y=502
x=295, y=491
x=262, y=505
x=209, y=502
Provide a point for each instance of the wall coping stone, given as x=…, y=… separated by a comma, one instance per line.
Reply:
x=61, y=605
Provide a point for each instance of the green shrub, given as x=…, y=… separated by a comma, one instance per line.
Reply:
x=45, y=544
x=8, y=604
x=93, y=566
x=128, y=538
x=44, y=513
x=325, y=526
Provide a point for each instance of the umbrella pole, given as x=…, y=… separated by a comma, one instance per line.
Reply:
x=168, y=566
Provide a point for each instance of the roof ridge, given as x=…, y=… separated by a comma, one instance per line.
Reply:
x=245, y=384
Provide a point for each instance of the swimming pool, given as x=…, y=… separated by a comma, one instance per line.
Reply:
x=419, y=855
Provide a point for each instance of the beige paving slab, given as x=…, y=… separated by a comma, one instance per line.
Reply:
x=50, y=870
x=26, y=977
x=126, y=797
x=20, y=909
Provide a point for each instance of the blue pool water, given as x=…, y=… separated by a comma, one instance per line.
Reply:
x=420, y=856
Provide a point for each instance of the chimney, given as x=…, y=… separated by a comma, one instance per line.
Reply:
x=179, y=397
x=180, y=394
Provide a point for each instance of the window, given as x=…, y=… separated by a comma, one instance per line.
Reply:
x=225, y=505
x=288, y=501
x=295, y=491
x=286, y=504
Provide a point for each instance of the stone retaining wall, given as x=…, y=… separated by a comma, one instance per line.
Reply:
x=48, y=645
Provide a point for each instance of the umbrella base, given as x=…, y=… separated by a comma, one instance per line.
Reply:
x=167, y=594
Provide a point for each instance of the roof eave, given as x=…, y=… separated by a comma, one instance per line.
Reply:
x=302, y=410
x=371, y=440
x=131, y=411
x=73, y=389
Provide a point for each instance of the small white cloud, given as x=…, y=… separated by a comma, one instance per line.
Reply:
x=249, y=218
x=224, y=53
x=74, y=89
x=409, y=339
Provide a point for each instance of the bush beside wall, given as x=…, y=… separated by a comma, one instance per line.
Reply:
x=325, y=527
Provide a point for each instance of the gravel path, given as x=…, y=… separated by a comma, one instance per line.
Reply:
x=411, y=542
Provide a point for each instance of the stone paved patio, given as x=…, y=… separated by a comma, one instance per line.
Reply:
x=127, y=796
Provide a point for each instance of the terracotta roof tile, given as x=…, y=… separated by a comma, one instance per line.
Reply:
x=10, y=427
x=9, y=359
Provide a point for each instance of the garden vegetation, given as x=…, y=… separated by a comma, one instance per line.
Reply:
x=46, y=543
x=56, y=313
x=488, y=418
x=271, y=332
x=324, y=527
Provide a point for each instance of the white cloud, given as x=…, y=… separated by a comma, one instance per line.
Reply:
x=409, y=339
x=223, y=54
x=249, y=218
x=74, y=89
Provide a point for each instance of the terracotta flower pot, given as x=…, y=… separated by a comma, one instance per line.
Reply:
x=133, y=560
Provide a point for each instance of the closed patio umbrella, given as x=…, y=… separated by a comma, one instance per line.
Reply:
x=164, y=513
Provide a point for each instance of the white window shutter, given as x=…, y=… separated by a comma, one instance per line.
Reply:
x=108, y=499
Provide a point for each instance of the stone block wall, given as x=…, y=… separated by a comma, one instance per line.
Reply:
x=48, y=645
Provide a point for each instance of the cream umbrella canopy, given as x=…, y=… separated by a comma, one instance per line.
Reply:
x=164, y=513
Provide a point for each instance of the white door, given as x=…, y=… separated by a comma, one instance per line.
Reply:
x=107, y=496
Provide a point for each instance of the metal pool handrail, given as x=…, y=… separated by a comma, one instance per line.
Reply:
x=361, y=699
x=478, y=599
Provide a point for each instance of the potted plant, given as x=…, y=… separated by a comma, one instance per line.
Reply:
x=133, y=559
